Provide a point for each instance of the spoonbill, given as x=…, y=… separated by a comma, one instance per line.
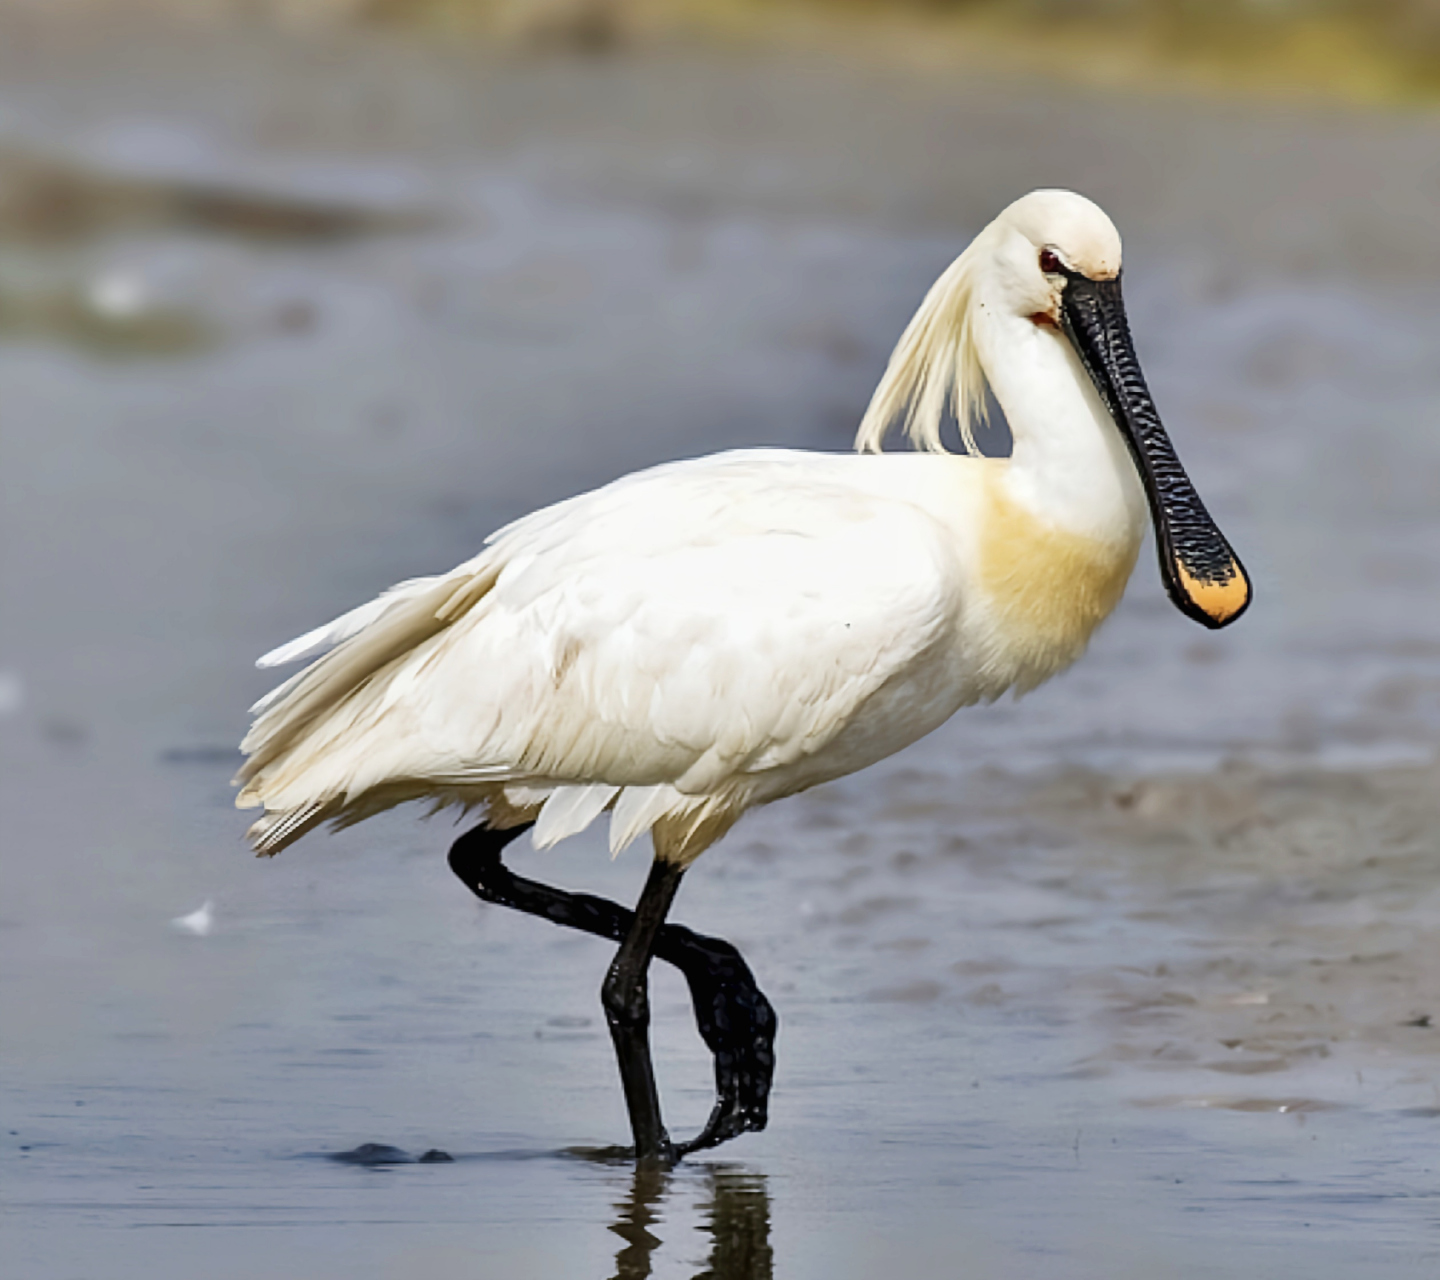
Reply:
x=706, y=636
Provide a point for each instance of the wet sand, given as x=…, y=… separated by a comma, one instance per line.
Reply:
x=1135, y=977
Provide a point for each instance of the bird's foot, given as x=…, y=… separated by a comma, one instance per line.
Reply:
x=737, y=1023
x=742, y=1092
x=729, y=1119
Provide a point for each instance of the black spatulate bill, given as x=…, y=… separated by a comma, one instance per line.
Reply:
x=1202, y=575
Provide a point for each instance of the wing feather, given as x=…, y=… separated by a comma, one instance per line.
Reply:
x=671, y=636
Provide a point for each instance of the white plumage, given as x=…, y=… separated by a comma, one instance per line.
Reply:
x=709, y=635
x=680, y=644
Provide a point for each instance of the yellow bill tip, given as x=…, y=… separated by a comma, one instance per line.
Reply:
x=1221, y=597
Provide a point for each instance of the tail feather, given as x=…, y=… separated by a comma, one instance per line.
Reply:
x=271, y=833
x=366, y=642
x=326, y=637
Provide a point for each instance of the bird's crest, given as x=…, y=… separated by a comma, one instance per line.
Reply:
x=934, y=366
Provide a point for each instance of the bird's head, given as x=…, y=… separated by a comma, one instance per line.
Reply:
x=1053, y=258
x=1041, y=242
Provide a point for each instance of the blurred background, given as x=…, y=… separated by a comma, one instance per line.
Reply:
x=298, y=298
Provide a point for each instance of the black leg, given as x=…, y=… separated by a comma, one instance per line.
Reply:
x=625, y=994
x=734, y=1018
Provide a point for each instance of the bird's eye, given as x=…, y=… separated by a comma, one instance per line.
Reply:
x=1049, y=263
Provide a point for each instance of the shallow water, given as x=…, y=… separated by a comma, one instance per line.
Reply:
x=1135, y=977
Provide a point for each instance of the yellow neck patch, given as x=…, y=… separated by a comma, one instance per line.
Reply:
x=1051, y=588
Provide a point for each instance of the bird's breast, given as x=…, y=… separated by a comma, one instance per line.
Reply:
x=1044, y=589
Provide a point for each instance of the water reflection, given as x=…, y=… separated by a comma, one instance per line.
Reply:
x=736, y=1215
x=738, y=1219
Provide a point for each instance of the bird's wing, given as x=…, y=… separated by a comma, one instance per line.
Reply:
x=685, y=626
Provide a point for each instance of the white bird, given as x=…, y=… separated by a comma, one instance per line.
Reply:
x=709, y=635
